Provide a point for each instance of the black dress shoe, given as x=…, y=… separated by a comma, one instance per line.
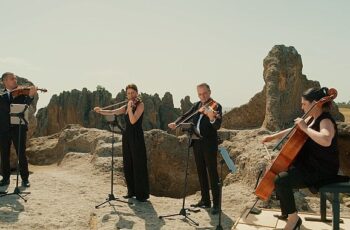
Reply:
x=141, y=199
x=201, y=204
x=215, y=210
x=4, y=182
x=128, y=196
x=25, y=183
x=281, y=217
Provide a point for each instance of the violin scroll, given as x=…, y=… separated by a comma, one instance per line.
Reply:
x=331, y=94
x=136, y=101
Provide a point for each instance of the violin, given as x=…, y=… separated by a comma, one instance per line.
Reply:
x=210, y=105
x=136, y=101
x=24, y=91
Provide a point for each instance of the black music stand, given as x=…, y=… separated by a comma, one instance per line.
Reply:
x=232, y=168
x=254, y=210
x=111, y=119
x=189, y=128
x=19, y=116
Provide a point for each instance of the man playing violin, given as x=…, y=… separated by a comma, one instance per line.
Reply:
x=207, y=121
x=317, y=162
x=9, y=133
x=133, y=145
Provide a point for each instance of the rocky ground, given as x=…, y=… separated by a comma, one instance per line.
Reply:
x=64, y=197
x=70, y=175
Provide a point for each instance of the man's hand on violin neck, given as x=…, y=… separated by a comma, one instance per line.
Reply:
x=172, y=125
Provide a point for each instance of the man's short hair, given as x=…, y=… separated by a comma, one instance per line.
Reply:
x=5, y=75
x=204, y=85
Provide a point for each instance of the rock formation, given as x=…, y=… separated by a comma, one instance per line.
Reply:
x=186, y=104
x=74, y=107
x=166, y=155
x=250, y=115
x=167, y=113
x=278, y=104
x=164, y=151
x=284, y=84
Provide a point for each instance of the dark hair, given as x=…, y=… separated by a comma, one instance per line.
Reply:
x=5, y=75
x=315, y=94
x=131, y=86
x=204, y=85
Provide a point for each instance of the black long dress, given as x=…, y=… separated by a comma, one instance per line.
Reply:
x=135, y=159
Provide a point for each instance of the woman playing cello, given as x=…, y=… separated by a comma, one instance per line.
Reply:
x=317, y=160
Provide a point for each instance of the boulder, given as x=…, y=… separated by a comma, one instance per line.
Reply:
x=166, y=155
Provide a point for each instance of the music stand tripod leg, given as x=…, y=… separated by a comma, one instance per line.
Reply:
x=111, y=196
x=183, y=212
x=219, y=227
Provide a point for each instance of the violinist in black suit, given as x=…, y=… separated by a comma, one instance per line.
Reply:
x=10, y=133
x=207, y=121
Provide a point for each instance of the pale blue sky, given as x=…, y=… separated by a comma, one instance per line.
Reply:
x=171, y=45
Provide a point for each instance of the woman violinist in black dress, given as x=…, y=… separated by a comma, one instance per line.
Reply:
x=133, y=145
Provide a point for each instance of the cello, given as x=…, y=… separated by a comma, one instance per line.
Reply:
x=289, y=151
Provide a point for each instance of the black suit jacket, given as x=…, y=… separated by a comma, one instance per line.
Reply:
x=208, y=130
x=5, y=109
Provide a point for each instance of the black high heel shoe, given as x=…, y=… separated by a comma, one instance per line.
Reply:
x=298, y=224
x=281, y=217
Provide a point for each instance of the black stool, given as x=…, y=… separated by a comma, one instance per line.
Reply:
x=334, y=189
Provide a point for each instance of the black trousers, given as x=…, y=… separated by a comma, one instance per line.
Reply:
x=135, y=167
x=206, y=162
x=6, y=139
x=285, y=182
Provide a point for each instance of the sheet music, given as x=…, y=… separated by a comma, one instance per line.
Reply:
x=19, y=108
